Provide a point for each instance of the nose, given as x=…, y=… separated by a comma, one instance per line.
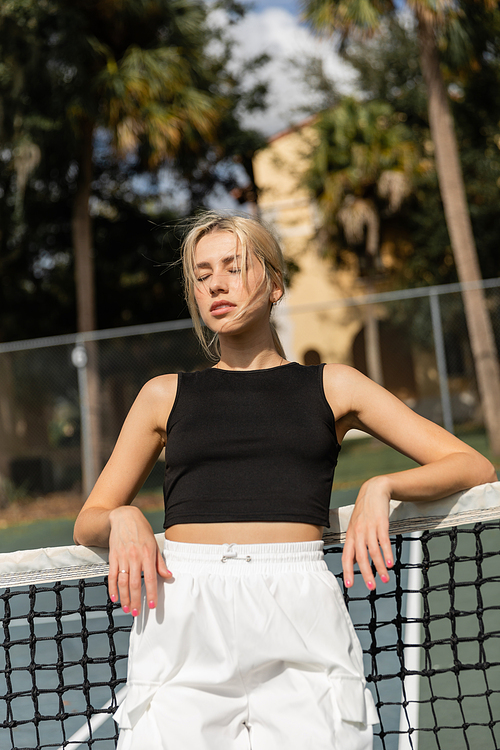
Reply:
x=218, y=283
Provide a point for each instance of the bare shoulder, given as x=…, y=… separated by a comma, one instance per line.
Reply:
x=342, y=375
x=156, y=399
x=160, y=388
x=342, y=385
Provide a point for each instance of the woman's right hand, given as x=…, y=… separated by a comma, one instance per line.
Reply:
x=368, y=534
x=133, y=552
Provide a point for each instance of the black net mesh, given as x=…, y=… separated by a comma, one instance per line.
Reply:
x=63, y=661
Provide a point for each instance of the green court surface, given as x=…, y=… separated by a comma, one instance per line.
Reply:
x=358, y=461
x=53, y=533
x=364, y=458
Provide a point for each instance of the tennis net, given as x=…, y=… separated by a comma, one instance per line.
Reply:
x=431, y=637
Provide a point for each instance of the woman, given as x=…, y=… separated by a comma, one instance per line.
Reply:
x=247, y=643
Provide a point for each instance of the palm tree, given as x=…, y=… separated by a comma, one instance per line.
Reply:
x=133, y=83
x=362, y=18
x=147, y=96
x=361, y=166
x=144, y=80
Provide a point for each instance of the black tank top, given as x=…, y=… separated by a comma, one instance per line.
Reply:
x=251, y=445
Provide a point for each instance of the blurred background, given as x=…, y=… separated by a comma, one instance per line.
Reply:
x=366, y=135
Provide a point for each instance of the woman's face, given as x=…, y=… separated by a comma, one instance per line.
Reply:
x=220, y=293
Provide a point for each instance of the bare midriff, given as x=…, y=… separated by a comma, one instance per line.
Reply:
x=248, y=532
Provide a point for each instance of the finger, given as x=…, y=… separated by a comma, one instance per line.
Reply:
x=161, y=566
x=135, y=586
x=384, y=548
x=112, y=578
x=150, y=581
x=385, y=543
x=123, y=587
x=377, y=558
x=348, y=563
x=365, y=567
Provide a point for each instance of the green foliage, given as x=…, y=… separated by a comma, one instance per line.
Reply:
x=389, y=70
x=368, y=457
x=360, y=17
x=361, y=173
x=153, y=76
x=357, y=142
x=10, y=493
x=38, y=297
x=389, y=75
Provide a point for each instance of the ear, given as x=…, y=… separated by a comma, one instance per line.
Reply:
x=276, y=294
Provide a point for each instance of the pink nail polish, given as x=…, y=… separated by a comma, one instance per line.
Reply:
x=389, y=562
x=347, y=583
x=113, y=598
x=384, y=579
x=370, y=585
x=151, y=604
x=134, y=613
x=126, y=609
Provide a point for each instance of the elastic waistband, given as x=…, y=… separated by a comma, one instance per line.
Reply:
x=244, y=559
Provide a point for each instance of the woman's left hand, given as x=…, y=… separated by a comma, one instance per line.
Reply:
x=368, y=532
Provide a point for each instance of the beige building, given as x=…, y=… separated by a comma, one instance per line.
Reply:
x=286, y=205
x=312, y=324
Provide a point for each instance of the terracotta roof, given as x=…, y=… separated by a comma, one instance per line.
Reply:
x=293, y=128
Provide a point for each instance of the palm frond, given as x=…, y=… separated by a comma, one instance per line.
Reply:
x=345, y=16
x=149, y=95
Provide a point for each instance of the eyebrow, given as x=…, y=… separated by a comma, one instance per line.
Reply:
x=228, y=259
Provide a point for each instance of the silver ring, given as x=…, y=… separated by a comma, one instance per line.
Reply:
x=124, y=571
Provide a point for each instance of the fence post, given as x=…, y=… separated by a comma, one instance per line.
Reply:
x=79, y=359
x=437, y=330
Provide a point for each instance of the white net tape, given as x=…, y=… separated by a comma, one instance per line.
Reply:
x=480, y=503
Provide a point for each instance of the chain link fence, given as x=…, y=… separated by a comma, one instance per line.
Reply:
x=51, y=425
x=45, y=440
x=423, y=344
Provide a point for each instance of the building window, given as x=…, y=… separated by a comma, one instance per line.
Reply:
x=311, y=357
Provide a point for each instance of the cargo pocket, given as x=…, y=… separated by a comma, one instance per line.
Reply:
x=353, y=700
x=136, y=702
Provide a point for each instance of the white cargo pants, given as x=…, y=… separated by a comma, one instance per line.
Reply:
x=249, y=648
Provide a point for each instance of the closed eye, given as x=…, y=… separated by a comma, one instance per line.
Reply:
x=201, y=279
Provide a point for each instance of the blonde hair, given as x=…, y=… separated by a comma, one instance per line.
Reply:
x=251, y=236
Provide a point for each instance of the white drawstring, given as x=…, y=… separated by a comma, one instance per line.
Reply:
x=230, y=553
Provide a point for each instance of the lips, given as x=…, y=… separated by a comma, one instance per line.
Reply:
x=221, y=306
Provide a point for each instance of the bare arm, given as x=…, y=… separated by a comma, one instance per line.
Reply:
x=447, y=465
x=108, y=519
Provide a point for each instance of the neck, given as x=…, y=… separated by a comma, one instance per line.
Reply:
x=242, y=353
